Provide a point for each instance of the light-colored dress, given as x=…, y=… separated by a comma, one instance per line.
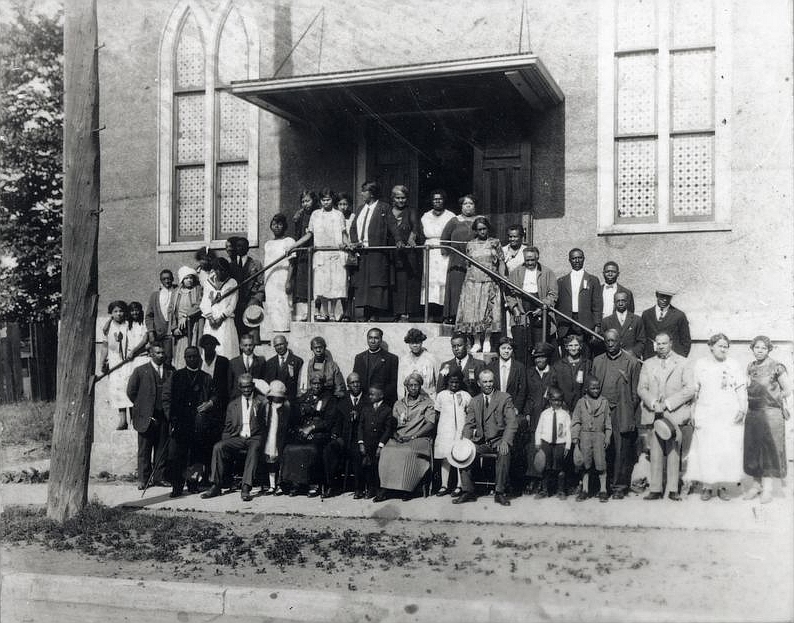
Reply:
x=717, y=442
x=119, y=347
x=436, y=273
x=278, y=304
x=425, y=364
x=226, y=333
x=452, y=415
x=480, y=306
x=330, y=277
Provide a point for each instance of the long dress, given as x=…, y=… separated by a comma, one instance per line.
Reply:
x=458, y=230
x=330, y=277
x=186, y=313
x=277, y=301
x=480, y=307
x=226, y=333
x=300, y=275
x=425, y=364
x=119, y=346
x=717, y=442
x=764, y=427
x=451, y=417
x=403, y=465
x=406, y=262
x=301, y=460
x=436, y=271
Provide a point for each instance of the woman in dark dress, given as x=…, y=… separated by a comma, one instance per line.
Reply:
x=405, y=231
x=309, y=432
x=459, y=231
x=300, y=273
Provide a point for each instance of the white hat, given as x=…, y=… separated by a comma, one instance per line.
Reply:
x=462, y=453
x=277, y=389
x=262, y=386
x=253, y=316
x=183, y=272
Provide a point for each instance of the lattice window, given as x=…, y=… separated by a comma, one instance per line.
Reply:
x=233, y=50
x=692, y=23
x=636, y=94
x=635, y=179
x=190, y=56
x=190, y=128
x=233, y=198
x=692, y=90
x=232, y=127
x=190, y=202
x=636, y=24
x=692, y=178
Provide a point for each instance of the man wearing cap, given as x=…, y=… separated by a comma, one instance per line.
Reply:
x=664, y=318
x=246, y=362
x=579, y=296
x=243, y=435
x=630, y=328
x=540, y=378
x=251, y=292
x=619, y=374
x=376, y=366
x=343, y=446
x=468, y=366
x=666, y=388
x=491, y=424
x=284, y=366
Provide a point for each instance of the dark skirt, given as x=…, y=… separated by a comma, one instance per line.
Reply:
x=301, y=464
x=455, y=278
x=407, y=291
x=764, y=443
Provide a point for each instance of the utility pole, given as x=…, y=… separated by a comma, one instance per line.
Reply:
x=74, y=411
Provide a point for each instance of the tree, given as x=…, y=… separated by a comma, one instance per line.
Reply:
x=31, y=162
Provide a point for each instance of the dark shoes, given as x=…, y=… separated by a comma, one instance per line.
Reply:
x=175, y=492
x=618, y=495
x=442, y=492
x=603, y=496
x=245, y=493
x=313, y=492
x=501, y=498
x=653, y=495
x=213, y=492
x=358, y=495
x=581, y=496
x=674, y=496
x=465, y=496
x=381, y=497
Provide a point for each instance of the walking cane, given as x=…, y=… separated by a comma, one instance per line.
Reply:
x=354, y=416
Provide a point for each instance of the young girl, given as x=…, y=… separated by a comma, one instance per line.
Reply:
x=278, y=279
x=187, y=313
x=300, y=285
x=115, y=351
x=219, y=314
x=137, y=335
x=451, y=405
x=344, y=203
x=327, y=229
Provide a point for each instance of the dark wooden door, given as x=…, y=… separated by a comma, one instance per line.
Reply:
x=391, y=162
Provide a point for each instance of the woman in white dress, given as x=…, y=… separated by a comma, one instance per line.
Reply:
x=433, y=223
x=419, y=360
x=716, y=454
x=219, y=314
x=115, y=350
x=451, y=406
x=278, y=280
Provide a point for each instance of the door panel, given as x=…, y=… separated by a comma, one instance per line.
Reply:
x=390, y=162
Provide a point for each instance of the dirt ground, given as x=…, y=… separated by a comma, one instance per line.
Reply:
x=725, y=575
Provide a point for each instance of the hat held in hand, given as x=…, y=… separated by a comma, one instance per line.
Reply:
x=462, y=453
x=539, y=462
x=665, y=429
x=253, y=316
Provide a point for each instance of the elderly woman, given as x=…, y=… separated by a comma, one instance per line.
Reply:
x=480, y=307
x=764, y=428
x=322, y=363
x=406, y=458
x=405, y=232
x=419, y=360
x=308, y=433
x=458, y=232
x=716, y=452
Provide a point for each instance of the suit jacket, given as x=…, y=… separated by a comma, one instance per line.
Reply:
x=347, y=419
x=220, y=376
x=236, y=368
x=142, y=392
x=631, y=332
x=567, y=378
x=498, y=422
x=252, y=292
x=233, y=425
x=182, y=396
x=289, y=374
x=378, y=268
x=674, y=384
x=674, y=322
x=154, y=318
x=375, y=426
x=590, y=304
x=516, y=382
x=471, y=372
x=547, y=289
x=537, y=394
x=383, y=372
x=619, y=378
x=624, y=290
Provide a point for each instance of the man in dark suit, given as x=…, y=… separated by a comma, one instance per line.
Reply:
x=244, y=432
x=284, y=366
x=372, y=280
x=375, y=427
x=540, y=378
x=251, y=292
x=465, y=363
x=629, y=326
x=344, y=443
x=159, y=310
x=189, y=401
x=611, y=287
x=246, y=362
x=145, y=391
x=664, y=318
x=579, y=296
x=491, y=423
x=217, y=366
x=376, y=366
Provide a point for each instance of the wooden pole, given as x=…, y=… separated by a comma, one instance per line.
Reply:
x=74, y=411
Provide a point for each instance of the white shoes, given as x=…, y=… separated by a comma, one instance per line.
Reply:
x=486, y=346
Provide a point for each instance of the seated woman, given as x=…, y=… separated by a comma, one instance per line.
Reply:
x=406, y=458
x=308, y=433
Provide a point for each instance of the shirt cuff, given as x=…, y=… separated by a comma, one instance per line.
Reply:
x=380, y=444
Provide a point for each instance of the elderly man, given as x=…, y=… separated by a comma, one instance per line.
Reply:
x=579, y=296
x=619, y=374
x=284, y=366
x=343, y=446
x=666, y=388
x=465, y=363
x=664, y=318
x=527, y=319
x=631, y=331
x=491, y=423
x=376, y=366
x=243, y=436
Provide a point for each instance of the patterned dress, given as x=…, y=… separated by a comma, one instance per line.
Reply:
x=480, y=307
x=764, y=427
x=226, y=333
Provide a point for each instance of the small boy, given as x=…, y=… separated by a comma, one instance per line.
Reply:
x=553, y=436
x=591, y=430
x=375, y=428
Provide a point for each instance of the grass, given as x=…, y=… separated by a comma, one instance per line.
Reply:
x=26, y=422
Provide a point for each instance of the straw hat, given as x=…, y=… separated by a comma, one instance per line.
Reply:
x=253, y=316
x=462, y=453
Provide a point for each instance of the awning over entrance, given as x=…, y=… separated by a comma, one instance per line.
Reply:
x=498, y=84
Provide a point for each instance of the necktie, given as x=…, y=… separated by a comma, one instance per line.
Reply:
x=554, y=426
x=240, y=262
x=664, y=363
x=160, y=371
x=282, y=362
x=661, y=315
x=247, y=363
x=487, y=400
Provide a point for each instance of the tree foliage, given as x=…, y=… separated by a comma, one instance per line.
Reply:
x=31, y=164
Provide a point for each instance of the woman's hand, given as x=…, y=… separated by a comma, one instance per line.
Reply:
x=739, y=417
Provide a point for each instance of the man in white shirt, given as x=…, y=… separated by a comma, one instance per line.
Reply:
x=247, y=362
x=579, y=298
x=158, y=313
x=611, y=287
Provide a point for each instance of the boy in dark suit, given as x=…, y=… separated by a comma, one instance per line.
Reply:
x=375, y=428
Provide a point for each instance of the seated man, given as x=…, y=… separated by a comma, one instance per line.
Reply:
x=491, y=423
x=243, y=435
x=343, y=445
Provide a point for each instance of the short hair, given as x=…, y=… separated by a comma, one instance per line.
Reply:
x=319, y=340
x=413, y=336
x=415, y=376
x=191, y=348
x=156, y=344
x=555, y=392
x=665, y=333
x=120, y=304
x=327, y=192
x=247, y=336
x=464, y=197
x=278, y=217
x=353, y=374
x=165, y=271
x=208, y=340
x=717, y=337
x=486, y=371
x=459, y=335
x=615, y=331
x=279, y=336
x=203, y=254
x=532, y=249
x=481, y=219
x=438, y=191
x=316, y=376
x=232, y=240
x=373, y=188
x=346, y=197
x=378, y=386
x=376, y=329
x=242, y=240
x=245, y=377
x=761, y=338
x=575, y=249
x=505, y=340
x=590, y=378
x=456, y=373
x=611, y=263
x=400, y=188
x=570, y=337
x=516, y=227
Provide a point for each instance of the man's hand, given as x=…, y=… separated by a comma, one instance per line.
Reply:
x=503, y=447
x=362, y=449
x=377, y=452
x=204, y=406
x=566, y=453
